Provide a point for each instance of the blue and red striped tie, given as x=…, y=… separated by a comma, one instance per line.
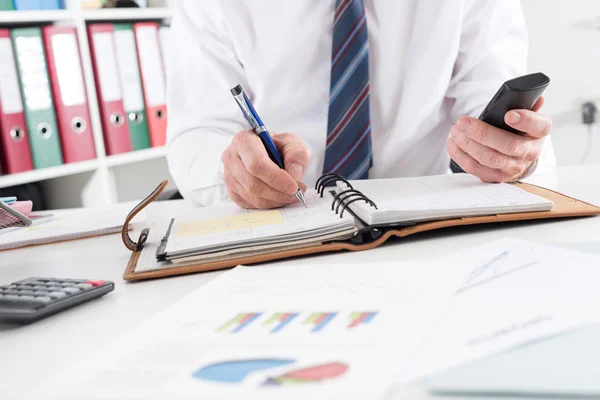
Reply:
x=348, y=149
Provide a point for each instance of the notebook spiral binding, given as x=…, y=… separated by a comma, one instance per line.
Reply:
x=344, y=198
x=341, y=202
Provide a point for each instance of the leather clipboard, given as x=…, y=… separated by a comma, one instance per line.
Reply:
x=564, y=207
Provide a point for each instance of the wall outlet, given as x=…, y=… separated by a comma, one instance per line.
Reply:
x=589, y=111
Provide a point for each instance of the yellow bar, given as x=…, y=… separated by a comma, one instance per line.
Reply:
x=274, y=318
x=235, y=319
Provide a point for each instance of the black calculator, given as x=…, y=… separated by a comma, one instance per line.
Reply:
x=34, y=298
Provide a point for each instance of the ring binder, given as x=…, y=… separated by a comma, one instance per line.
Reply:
x=350, y=193
x=337, y=196
x=328, y=179
x=346, y=205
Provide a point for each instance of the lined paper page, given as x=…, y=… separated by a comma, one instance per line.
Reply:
x=219, y=227
x=408, y=199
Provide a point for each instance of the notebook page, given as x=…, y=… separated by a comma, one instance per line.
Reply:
x=439, y=196
x=221, y=226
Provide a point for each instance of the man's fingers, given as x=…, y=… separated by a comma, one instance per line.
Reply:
x=254, y=186
x=487, y=156
x=256, y=202
x=508, y=143
x=529, y=122
x=257, y=162
x=473, y=167
x=294, y=152
x=538, y=104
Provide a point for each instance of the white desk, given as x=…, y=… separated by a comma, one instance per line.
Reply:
x=30, y=354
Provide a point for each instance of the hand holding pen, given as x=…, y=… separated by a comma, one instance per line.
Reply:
x=260, y=170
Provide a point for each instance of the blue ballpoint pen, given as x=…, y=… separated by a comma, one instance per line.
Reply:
x=261, y=131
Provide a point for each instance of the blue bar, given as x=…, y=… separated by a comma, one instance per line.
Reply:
x=248, y=322
x=284, y=323
x=323, y=323
x=369, y=317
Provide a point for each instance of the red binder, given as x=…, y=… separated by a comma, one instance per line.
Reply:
x=108, y=88
x=153, y=80
x=68, y=87
x=15, y=155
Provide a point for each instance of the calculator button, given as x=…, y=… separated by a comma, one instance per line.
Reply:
x=25, y=298
x=84, y=286
x=42, y=299
x=57, y=295
x=39, y=287
x=96, y=282
x=26, y=292
x=41, y=292
x=10, y=297
x=71, y=290
x=6, y=287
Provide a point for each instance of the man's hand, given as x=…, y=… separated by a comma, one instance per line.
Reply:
x=253, y=180
x=495, y=155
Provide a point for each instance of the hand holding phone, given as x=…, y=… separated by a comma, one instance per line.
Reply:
x=521, y=93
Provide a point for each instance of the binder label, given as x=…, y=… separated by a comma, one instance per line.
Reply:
x=164, y=34
x=10, y=92
x=70, y=77
x=151, y=63
x=34, y=77
x=107, y=66
x=129, y=71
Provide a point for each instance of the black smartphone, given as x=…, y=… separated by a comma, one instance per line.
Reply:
x=518, y=93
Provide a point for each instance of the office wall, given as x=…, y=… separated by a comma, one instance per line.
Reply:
x=565, y=44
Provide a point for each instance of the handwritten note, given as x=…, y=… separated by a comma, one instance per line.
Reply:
x=229, y=223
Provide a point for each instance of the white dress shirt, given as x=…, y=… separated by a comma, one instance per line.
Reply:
x=431, y=62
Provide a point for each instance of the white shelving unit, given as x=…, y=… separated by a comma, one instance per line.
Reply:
x=106, y=179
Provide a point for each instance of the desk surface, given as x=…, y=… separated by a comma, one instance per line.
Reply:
x=32, y=353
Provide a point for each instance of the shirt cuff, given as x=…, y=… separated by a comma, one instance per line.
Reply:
x=194, y=159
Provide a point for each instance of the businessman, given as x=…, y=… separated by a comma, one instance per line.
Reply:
x=365, y=88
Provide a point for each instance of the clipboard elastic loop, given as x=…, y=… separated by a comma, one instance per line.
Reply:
x=129, y=243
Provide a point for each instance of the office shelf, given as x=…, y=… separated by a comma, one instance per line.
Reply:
x=134, y=157
x=99, y=181
x=122, y=14
x=22, y=17
x=48, y=173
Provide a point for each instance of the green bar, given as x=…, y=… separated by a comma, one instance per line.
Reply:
x=313, y=317
x=235, y=319
x=274, y=318
x=44, y=138
x=136, y=118
x=6, y=5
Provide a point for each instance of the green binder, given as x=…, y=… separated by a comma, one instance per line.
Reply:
x=131, y=84
x=6, y=5
x=40, y=116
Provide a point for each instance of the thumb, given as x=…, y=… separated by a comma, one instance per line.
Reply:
x=295, y=154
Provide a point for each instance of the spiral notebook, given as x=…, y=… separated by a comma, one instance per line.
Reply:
x=341, y=215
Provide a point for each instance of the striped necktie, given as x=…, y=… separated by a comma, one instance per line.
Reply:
x=348, y=149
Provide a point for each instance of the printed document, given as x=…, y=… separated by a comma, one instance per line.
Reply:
x=517, y=292
x=273, y=332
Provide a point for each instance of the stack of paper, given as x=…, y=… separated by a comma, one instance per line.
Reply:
x=66, y=225
x=439, y=197
x=273, y=332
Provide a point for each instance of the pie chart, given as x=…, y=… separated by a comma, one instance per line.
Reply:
x=236, y=371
